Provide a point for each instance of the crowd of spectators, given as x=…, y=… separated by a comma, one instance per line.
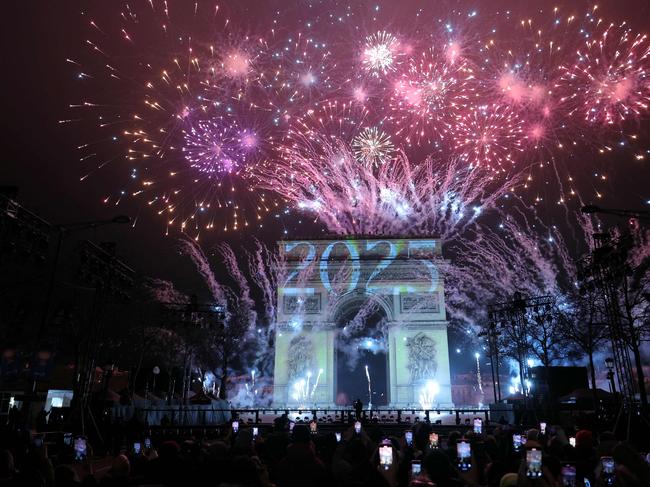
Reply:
x=294, y=455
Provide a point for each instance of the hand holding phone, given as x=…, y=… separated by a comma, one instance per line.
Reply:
x=137, y=448
x=572, y=441
x=147, y=443
x=608, y=470
x=516, y=442
x=464, y=453
x=542, y=428
x=534, y=463
x=357, y=427
x=256, y=431
x=386, y=456
x=80, y=449
x=338, y=437
x=478, y=426
x=408, y=436
x=235, y=426
x=433, y=440
x=568, y=476
x=416, y=468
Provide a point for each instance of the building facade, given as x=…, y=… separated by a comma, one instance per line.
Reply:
x=350, y=296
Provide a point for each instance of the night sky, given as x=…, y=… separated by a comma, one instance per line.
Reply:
x=40, y=155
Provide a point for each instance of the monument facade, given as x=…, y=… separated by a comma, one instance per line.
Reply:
x=378, y=299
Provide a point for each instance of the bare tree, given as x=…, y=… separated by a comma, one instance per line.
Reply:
x=546, y=342
x=583, y=324
x=634, y=305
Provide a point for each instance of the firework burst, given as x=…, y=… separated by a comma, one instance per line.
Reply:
x=373, y=147
x=490, y=136
x=380, y=53
x=217, y=147
x=194, y=108
x=427, y=98
x=609, y=81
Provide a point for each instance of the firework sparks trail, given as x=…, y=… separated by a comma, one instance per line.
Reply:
x=369, y=388
x=218, y=292
x=432, y=198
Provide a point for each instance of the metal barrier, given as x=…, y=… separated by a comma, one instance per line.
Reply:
x=203, y=416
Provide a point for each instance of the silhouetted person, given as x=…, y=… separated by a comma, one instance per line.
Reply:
x=301, y=467
x=358, y=408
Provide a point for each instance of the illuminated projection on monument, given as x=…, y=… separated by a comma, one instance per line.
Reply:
x=382, y=252
x=361, y=315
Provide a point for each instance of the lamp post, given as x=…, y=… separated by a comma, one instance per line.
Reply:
x=609, y=363
x=490, y=332
x=155, y=371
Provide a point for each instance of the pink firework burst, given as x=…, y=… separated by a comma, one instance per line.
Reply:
x=609, y=83
x=489, y=136
x=430, y=95
x=217, y=146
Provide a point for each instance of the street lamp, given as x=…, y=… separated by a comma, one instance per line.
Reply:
x=609, y=363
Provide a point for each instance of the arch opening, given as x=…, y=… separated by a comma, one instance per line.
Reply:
x=361, y=357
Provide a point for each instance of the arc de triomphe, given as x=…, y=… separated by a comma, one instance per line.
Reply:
x=327, y=279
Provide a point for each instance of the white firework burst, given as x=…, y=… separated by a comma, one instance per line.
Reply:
x=379, y=53
x=372, y=147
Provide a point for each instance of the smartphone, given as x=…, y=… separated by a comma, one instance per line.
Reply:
x=80, y=449
x=464, y=453
x=572, y=441
x=542, y=428
x=256, y=431
x=357, y=427
x=235, y=426
x=433, y=440
x=67, y=439
x=408, y=435
x=608, y=467
x=313, y=427
x=386, y=456
x=478, y=426
x=568, y=476
x=338, y=437
x=147, y=443
x=516, y=442
x=291, y=425
x=137, y=448
x=37, y=441
x=534, y=463
x=416, y=468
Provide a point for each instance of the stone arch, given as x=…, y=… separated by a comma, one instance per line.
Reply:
x=356, y=299
x=351, y=354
